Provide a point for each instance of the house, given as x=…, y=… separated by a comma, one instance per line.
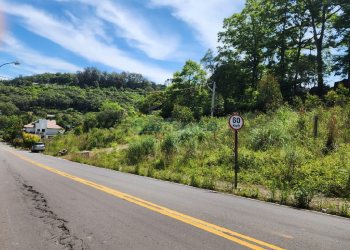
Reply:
x=44, y=128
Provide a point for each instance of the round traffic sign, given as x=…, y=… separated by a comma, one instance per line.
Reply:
x=236, y=122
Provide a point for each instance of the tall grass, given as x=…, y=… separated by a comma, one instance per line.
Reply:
x=277, y=153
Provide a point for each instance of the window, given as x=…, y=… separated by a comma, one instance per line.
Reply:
x=43, y=130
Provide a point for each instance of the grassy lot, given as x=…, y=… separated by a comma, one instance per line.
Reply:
x=280, y=159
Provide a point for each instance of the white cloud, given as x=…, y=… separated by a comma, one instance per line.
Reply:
x=6, y=77
x=206, y=17
x=136, y=29
x=33, y=61
x=86, y=44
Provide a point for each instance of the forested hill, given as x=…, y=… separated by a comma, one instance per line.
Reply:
x=89, y=77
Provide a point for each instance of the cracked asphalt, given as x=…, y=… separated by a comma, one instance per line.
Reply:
x=42, y=210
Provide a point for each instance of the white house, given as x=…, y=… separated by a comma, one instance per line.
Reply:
x=43, y=127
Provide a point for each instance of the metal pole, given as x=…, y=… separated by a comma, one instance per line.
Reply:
x=315, y=126
x=4, y=64
x=15, y=63
x=236, y=158
x=213, y=100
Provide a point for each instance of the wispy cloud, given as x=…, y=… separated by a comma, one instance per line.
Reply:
x=205, y=17
x=33, y=61
x=136, y=29
x=85, y=43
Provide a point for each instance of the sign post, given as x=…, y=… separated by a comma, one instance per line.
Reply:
x=236, y=122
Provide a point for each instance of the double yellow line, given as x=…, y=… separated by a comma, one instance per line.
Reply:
x=238, y=238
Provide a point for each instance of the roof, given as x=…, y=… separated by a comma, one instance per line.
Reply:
x=30, y=125
x=50, y=124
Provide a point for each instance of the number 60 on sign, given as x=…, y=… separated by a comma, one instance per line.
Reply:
x=236, y=122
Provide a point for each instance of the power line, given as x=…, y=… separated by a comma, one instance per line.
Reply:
x=156, y=91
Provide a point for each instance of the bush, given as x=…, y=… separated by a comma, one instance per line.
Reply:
x=269, y=136
x=110, y=114
x=270, y=96
x=29, y=139
x=17, y=142
x=332, y=134
x=98, y=138
x=138, y=150
x=182, y=114
x=169, y=145
x=312, y=102
x=90, y=121
x=303, y=197
x=152, y=126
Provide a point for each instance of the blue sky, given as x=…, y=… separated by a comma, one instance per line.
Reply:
x=151, y=37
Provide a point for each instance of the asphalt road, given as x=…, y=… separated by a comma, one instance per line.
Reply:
x=49, y=203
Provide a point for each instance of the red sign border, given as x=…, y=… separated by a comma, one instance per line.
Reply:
x=235, y=114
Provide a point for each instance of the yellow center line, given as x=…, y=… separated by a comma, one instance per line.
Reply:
x=228, y=234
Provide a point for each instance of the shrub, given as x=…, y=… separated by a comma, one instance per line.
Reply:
x=182, y=114
x=29, y=139
x=194, y=181
x=152, y=126
x=90, y=121
x=110, y=114
x=208, y=183
x=331, y=98
x=332, y=133
x=169, y=146
x=138, y=150
x=17, y=142
x=268, y=136
x=303, y=197
x=159, y=164
x=98, y=138
x=270, y=96
x=312, y=102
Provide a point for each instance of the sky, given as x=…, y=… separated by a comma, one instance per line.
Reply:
x=151, y=37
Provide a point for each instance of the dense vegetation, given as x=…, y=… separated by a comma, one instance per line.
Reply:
x=271, y=66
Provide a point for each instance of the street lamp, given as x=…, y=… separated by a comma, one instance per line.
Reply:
x=14, y=63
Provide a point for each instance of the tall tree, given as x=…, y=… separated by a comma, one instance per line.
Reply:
x=342, y=26
x=320, y=14
x=244, y=37
x=301, y=68
x=187, y=90
x=191, y=74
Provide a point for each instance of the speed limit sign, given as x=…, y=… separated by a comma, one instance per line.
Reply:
x=236, y=122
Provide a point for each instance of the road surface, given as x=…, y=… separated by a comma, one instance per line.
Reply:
x=49, y=203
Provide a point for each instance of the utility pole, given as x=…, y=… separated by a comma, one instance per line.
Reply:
x=213, y=99
x=208, y=62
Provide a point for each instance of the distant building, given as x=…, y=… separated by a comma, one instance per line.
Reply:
x=44, y=128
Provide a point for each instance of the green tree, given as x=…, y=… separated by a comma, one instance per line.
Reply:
x=320, y=15
x=182, y=114
x=188, y=90
x=110, y=114
x=13, y=128
x=232, y=81
x=8, y=108
x=342, y=26
x=270, y=97
x=245, y=36
x=153, y=101
x=90, y=121
x=191, y=75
